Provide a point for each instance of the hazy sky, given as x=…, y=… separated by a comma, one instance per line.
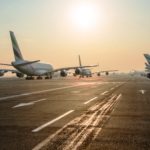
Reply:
x=113, y=33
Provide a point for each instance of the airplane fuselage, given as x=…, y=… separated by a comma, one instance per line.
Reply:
x=86, y=72
x=34, y=69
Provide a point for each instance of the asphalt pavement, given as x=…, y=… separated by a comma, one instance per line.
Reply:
x=69, y=113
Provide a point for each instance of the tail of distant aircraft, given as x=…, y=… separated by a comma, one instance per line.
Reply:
x=146, y=65
x=16, y=49
x=80, y=64
x=147, y=56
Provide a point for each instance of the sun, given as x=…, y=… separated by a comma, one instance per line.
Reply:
x=85, y=16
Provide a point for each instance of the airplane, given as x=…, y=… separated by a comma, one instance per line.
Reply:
x=106, y=72
x=36, y=68
x=147, y=65
x=87, y=72
x=83, y=72
x=147, y=56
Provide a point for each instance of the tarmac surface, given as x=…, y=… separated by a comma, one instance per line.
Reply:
x=111, y=113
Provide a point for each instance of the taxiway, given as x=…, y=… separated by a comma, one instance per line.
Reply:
x=94, y=113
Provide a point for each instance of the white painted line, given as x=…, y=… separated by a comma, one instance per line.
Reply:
x=23, y=104
x=117, y=86
x=119, y=96
x=104, y=92
x=112, y=88
x=37, y=92
x=90, y=100
x=28, y=104
x=52, y=121
x=89, y=121
x=142, y=91
x=75, y=92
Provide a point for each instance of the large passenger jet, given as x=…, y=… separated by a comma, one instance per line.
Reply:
x=83, y=72
x=35, y=68
x=147, y=65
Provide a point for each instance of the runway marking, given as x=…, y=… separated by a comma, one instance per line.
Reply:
x=43, y=91
x=28, y=104
x=119, y=96
x=90, y=100
x=112, y=88
x=75, y=92
x=52, y=121
x=77, y=131
x=117, y=86
x=104, y=93
x=142, y=91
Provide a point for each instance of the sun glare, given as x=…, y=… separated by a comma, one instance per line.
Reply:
x=85, y=16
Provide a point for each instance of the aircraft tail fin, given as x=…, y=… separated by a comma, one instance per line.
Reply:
x=80, y=64
x=146, y=65
x=17, y=53
x=147, y=56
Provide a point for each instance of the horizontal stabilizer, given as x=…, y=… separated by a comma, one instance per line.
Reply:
x=104, y=71
x=5, y=64
x=27, y=63
x=89, y=66
x=146, y=65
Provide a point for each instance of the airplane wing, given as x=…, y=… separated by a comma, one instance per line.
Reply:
x=9, y=70
x=65, y=69
x=3, y=71
x=103, y=71
x=5, y=64
x=69, y=68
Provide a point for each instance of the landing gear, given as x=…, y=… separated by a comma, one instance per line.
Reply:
x=98, y=74
x=74, y=75
x=39, y=78
x=29, y=78
x=81, y=76
x=47, y=78
x=32, y=78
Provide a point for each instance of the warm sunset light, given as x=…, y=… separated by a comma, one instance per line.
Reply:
x=114, y=33
x=74, y=74
x=85, y=15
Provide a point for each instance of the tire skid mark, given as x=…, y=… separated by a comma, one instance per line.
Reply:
x=83, y=129
x=100, y=119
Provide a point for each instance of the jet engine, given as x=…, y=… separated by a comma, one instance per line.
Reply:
x=107, y=73
x=63, y=73
x=1, y=73
x=98, y=74
x=19, y=75
x=78, y=71
x=148, y=75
